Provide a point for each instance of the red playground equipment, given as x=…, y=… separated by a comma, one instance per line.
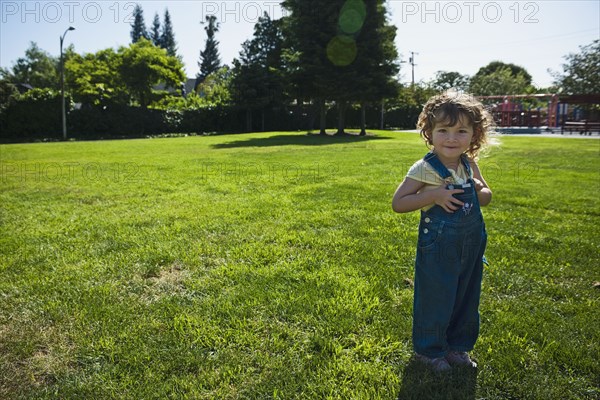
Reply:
x=567, y=112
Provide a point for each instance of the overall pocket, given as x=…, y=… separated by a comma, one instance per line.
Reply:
x=430, y=231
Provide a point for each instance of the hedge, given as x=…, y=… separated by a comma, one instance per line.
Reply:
x=38, y=118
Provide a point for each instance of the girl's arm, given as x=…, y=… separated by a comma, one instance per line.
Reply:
x=484, y=193
x=406, y=198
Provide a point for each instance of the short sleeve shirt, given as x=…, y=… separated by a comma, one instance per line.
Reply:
x=422, y=171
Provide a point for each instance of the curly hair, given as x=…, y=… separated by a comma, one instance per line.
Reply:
x=449, y=108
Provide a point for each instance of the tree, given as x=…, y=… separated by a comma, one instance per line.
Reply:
x=138, y=28
x=155, y=35
x=375, y=68
x=257, y=82
x=209, y=57
x=144, y=65
x=308, y=28
x=8, y=92
x=167, y=37
x=498, y=79
x=94, y=78
x=445, y=80
x=413, y=96
x=581, y=73
x=494, y=66
x=37, y=68
x=342, y=50
x=214, y=90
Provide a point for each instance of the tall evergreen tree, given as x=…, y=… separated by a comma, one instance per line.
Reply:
x=209, y=57
x=167, y=38
x=257, y=81
x=155, y=35
x=138, y=28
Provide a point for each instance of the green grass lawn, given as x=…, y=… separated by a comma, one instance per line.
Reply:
x=271, y=266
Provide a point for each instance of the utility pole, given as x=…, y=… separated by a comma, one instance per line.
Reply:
x=411, y=60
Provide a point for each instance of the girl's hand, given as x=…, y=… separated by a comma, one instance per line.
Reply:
x=444, y=199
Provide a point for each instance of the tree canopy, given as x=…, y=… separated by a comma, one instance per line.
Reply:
x=167, y=35
x=38, y=68
x=163, y=36
x=257, y=75
x=94, y=78
x=445, y=80
x=581, y=72
x=498, y=78
x=144, y=65
x=138, y=28
x=495, y=66
x=210, y=60
x=340, y=50
x=154, y=33
x=127, y=75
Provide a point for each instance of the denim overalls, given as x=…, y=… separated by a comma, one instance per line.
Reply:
x=448, y=271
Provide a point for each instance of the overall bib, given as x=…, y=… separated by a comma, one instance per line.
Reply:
x=448, y=271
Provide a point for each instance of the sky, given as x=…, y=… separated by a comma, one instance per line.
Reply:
x=460, y=36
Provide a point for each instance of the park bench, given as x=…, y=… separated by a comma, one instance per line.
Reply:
x=583, y=127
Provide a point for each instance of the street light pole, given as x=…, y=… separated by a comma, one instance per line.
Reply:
x=62, y=83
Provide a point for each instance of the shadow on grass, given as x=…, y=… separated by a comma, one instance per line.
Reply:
x=299, y=140
x=420, y=383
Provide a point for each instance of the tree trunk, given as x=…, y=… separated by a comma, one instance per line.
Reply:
x=363, y=110
x=248, y=119
x=262, y=122
x=312, y=116
x=341, y=118
x=381, y=126
x=298, y=114
x=323, y=117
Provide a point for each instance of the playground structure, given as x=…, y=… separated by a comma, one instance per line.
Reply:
x=550, y=112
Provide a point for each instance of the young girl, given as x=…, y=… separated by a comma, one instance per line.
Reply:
x=448, y=187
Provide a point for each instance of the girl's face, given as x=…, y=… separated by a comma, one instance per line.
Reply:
x=450, y=142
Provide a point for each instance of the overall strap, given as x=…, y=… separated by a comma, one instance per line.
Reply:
x=432, y=159
x=465, y=161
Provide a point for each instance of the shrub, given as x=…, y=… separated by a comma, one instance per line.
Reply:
x=34, y=115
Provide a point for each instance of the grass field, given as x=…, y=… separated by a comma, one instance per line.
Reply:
x=271, y=266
